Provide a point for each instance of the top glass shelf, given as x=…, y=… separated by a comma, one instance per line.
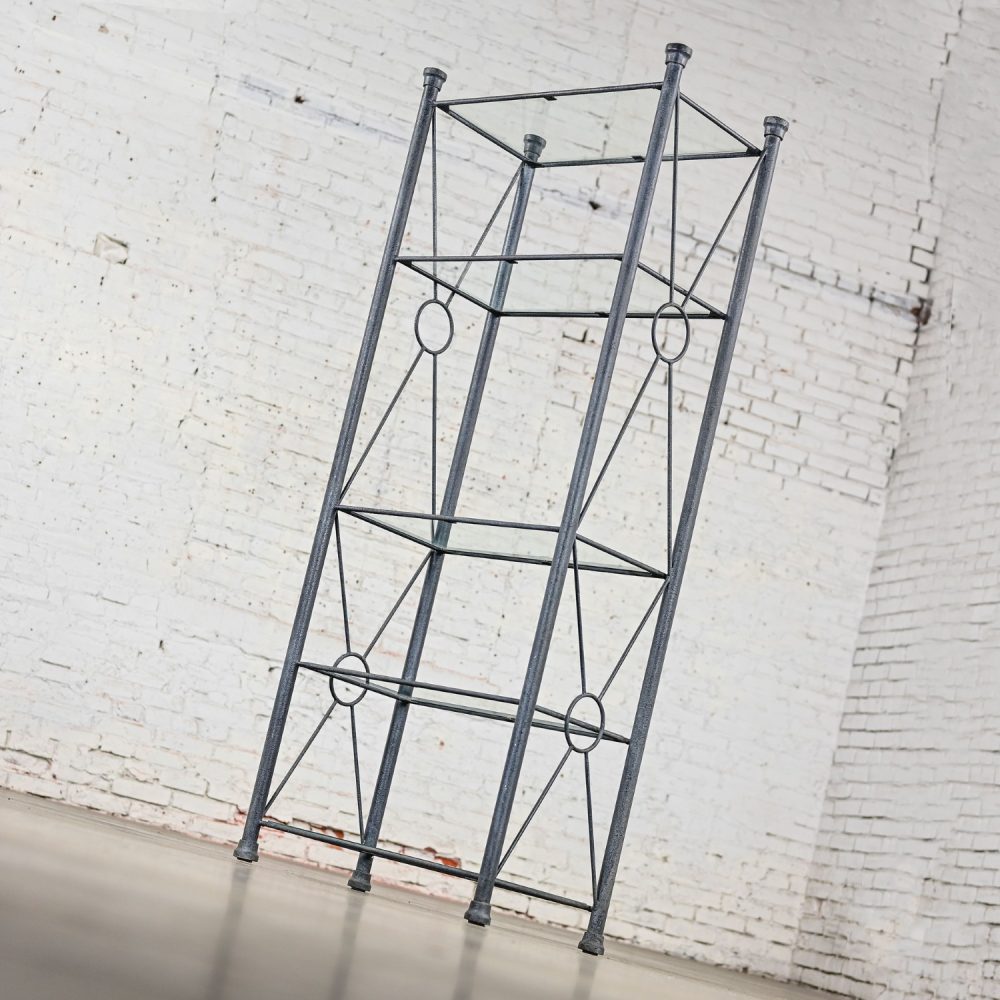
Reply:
x=596, y=125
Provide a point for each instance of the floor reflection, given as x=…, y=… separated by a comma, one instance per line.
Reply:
x=223, y=955
x=96, y=909
x=586, y=968
x=344, y=961
x=472, y=945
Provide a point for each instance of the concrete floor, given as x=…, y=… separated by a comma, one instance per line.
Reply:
x=93, y=907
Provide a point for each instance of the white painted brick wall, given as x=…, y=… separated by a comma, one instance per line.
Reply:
x=904, y=895
x=168, y=422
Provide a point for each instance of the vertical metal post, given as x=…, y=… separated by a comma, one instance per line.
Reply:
x=478, y=912
x=592, y=941
x=247, y=848
x=533, y=146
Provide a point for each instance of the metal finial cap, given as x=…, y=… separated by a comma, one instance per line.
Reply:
x=533, y=146
x=678, y=52
x=432, y=73
x=773, y=125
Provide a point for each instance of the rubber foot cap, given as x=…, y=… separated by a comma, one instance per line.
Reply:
x=246, y=853
x=592, y=943
x=360, y=882
x=478, y=914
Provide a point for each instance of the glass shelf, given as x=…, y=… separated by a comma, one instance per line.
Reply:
x=587, y=280
x=509, y=541
x=596, y=125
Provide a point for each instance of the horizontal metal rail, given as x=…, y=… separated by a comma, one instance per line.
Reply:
x=551, y=95
x=415, y=862
x=543, y=561
x=488, y=136
x=525, y=258
x=512, y=258
x=410, y=260
x=363, y=680
x=729, y=154
x=371, y=515
x=414, y=265
x=756, y=150
x=611, y=161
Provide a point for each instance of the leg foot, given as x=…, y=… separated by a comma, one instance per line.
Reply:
x=478, y=913
x=246, y=851
x=592, y=943
x=360, y=881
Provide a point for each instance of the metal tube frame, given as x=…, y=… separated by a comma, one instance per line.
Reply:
x=247, y=847
x=478, y=912
x=592, y=941
x=405, y=690
x=533, y=146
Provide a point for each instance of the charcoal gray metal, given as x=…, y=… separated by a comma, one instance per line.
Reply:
x=533, y=146
x=247, y=848
x=571, y=554
x=592, y=941
x=479, y=909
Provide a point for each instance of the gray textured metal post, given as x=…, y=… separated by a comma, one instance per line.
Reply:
x=361, y=878
x=247, y=848
x=592, y=941
x=478, y=912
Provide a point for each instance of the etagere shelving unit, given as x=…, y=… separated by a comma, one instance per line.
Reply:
x=562, y=547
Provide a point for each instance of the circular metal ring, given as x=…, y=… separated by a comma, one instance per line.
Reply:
x=598, y=736
x=680, y=314
x=339, y=699
x=451, y=326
